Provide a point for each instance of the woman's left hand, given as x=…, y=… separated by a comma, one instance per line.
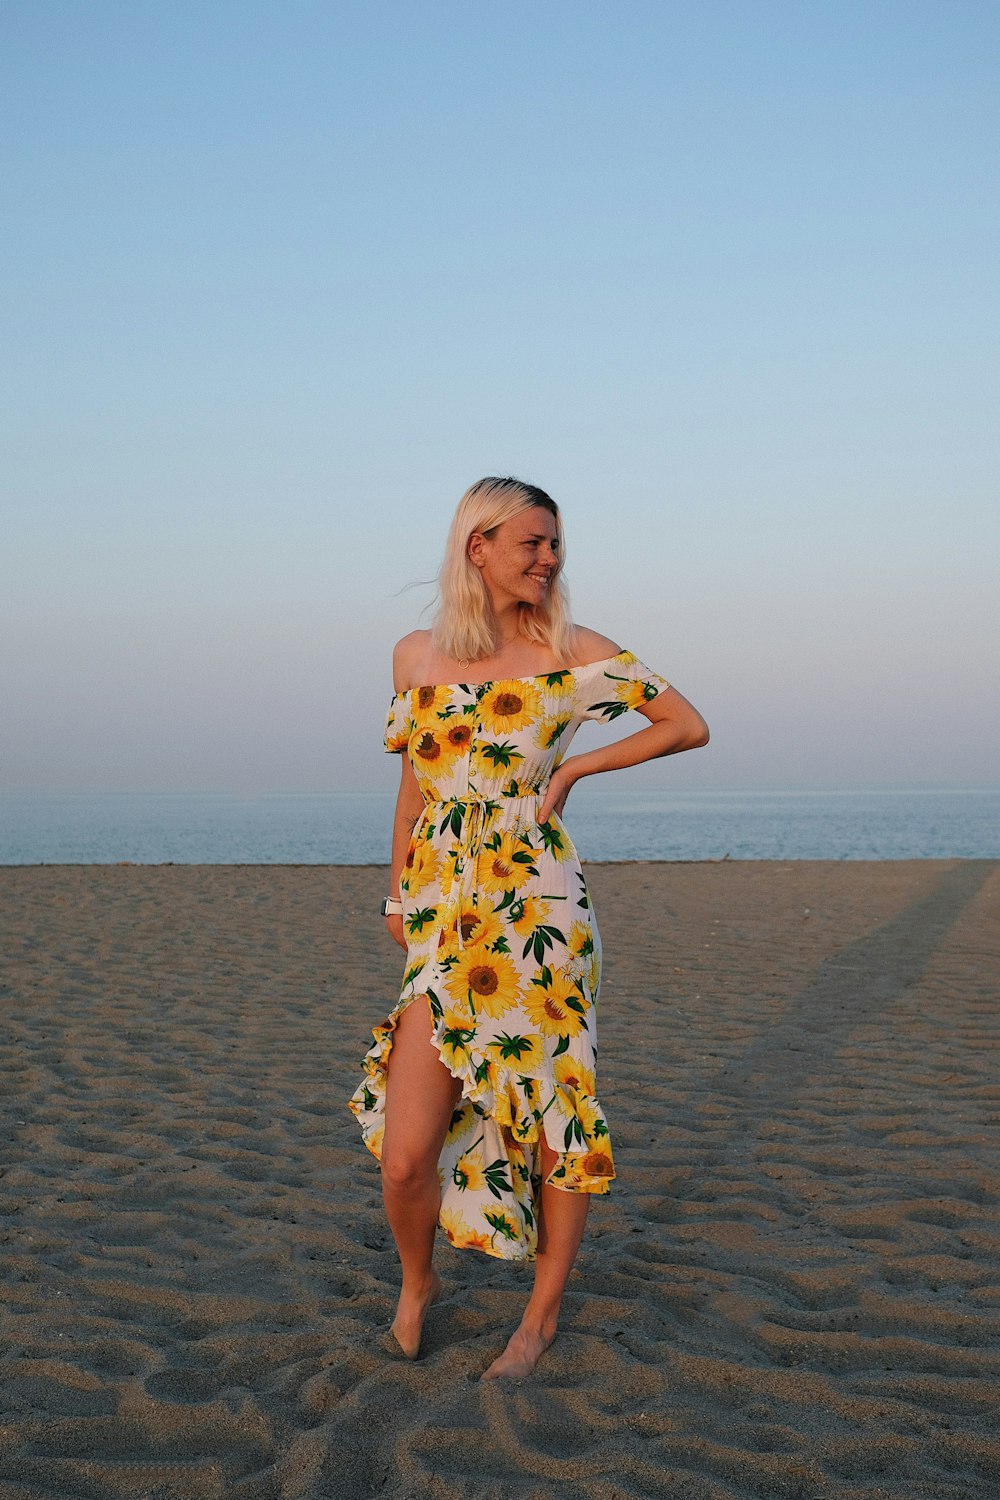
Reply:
x=556, y=793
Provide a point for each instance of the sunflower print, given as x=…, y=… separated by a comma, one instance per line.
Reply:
x=549, y=731
x=507, y=863
x=555, y=1003
x=429, y=704
x=512, y=704
x=420, y=870
x=503, y=946
x=428, y=750
x=487, y=982
x=575, y=1074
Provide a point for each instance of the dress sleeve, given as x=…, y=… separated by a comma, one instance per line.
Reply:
x=615, y=686
x=398, y=724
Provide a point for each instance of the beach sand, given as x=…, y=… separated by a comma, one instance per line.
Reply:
x=792, y=1291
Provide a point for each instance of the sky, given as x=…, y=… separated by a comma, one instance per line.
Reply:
x=279, y=281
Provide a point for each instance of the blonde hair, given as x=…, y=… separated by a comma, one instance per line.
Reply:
x=464, y=627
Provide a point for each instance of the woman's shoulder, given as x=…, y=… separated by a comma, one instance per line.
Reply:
x=407, y=655
x=590, y=646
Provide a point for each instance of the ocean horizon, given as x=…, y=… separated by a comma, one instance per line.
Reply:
x=905, y=822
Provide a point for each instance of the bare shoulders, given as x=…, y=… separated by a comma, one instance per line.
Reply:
x=590, y=646
x=411, y=657
x=406, y=655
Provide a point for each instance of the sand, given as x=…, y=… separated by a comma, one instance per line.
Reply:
x=793, y=1290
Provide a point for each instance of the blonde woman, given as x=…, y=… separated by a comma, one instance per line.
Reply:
x=480, y=1098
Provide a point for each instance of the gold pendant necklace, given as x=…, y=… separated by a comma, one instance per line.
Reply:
x=466, y=661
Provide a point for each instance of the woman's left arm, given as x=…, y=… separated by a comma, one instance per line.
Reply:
x=674, y=725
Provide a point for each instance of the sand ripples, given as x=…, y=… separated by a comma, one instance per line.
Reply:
x=794, y=1290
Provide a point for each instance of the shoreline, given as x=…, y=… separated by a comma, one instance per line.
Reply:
x=612, y=864
x=653, y=826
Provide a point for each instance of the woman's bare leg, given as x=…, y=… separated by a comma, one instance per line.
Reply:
x=420, y=1097
x=560, y=1230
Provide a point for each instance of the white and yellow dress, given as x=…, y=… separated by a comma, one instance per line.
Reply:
x=502, y=943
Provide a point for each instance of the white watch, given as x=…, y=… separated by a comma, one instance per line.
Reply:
x=391, y=907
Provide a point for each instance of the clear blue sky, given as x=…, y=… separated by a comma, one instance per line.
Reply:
x=281, y=280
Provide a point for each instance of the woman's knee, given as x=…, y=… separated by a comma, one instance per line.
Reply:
x=406, y=1169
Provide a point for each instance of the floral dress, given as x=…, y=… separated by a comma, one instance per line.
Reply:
x=502, y=943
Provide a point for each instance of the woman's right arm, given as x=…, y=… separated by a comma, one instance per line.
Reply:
x=409, y=806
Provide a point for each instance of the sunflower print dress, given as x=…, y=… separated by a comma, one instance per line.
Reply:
x=502, y=943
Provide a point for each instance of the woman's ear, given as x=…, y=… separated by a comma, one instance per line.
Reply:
x=475, y=549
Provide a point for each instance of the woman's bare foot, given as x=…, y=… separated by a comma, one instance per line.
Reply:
x=524, y=1349
x=408, y=1323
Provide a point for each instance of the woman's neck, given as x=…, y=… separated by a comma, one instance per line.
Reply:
x=508, y=620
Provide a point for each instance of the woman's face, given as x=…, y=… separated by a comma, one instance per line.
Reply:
x=520, y=560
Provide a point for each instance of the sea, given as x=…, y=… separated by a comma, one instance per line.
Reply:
x=345, y=828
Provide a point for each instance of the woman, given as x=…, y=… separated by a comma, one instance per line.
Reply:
x=480, y=1096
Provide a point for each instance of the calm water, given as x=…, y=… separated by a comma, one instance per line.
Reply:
x=353, y=828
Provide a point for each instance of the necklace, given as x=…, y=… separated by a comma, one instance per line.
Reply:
x=466, y=661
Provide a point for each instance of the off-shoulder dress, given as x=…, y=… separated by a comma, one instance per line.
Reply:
x=502, y=943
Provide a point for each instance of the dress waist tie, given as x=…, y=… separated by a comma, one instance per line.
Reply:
x=477, y=819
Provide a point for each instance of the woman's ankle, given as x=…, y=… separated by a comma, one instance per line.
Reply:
x=540, y=1322
x=416, y=1282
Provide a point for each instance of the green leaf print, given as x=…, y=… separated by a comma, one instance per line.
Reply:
x=501, y=1224
x=418, y=920
x=542, y=938
x=555, y=733
x=411, y=974
x=610, y=711
x=454, y=819
x=513, y=1046
x=496, y=1178
x=561, y=1046
x=552, y=837
x=458, y=1037
x=574, y=1132
x=500, y=755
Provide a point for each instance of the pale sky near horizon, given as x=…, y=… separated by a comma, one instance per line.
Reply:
x=280, y=281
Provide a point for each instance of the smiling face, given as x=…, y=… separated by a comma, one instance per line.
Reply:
x=519, y=559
